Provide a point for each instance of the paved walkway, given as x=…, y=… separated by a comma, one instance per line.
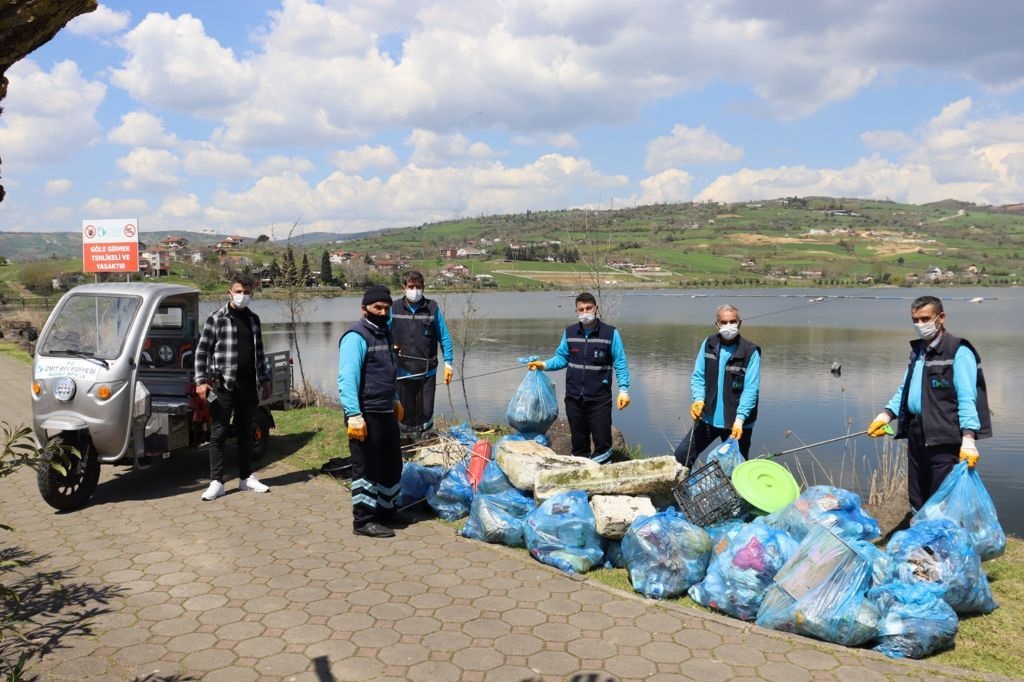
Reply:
x=148, y=582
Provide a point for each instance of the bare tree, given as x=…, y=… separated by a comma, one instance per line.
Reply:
x=467, y=332
x=296, y=302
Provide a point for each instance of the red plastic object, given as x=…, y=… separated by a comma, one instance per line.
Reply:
x=478, y=460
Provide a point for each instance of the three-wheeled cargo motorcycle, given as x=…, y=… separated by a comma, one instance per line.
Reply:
x=112, y=378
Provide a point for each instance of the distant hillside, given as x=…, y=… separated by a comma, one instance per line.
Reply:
x=23, y=246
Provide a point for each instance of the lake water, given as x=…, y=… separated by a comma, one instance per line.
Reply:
x=866, y=330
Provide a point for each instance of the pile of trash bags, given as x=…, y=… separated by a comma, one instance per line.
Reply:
x=740, y=574
x=665, y=554
x=809, y=568
x=497, y=511
x=562, y=532
x=823, y=505
x=962, y=498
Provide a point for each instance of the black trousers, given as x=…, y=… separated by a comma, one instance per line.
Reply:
x=927, y=467
x=589, y=420
x=702, y=435
x=417, y=398
x=376, y=468
x=240, y=403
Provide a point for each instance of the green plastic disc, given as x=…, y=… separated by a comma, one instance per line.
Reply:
x=765, y=484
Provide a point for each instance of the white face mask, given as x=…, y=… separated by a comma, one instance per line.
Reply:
x=241, y=301
x=927, y=330
x=729, y=331
x=414, y=295
x=586, y=318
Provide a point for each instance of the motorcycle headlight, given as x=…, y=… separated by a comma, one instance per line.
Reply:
x=64, y=388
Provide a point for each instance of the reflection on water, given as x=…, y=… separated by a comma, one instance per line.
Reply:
x=801, y=401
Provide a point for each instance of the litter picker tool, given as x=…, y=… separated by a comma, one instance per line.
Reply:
x=808, y=446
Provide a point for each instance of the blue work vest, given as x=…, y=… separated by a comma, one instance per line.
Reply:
x=415, y=333
x=380, y=367
x=588, y=375
x=733, y=381
x=940, y=419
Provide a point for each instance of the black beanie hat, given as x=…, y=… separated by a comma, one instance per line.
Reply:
x=376, y=294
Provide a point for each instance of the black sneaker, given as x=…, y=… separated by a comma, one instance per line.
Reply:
x=374, y=530
x=394, y=519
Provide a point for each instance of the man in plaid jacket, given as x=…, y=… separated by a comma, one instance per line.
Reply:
x=230, y=371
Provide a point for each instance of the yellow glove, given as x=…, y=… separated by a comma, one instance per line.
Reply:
x=696, y=409
x=534, y=365
x=448, y=374
x=623, y=401
x=877, y=427
x=969, y=452
x=737, y=429
x=399, y=411
x=357, y=428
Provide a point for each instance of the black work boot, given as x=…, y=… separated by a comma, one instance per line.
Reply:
x=373, y=529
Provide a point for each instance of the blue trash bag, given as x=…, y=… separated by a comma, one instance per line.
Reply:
x=464, y=434
x=498, y=517
x=665, y=554
x=837, y=509
x=727, y=455
x=454, y=493
x=418, y=482
x=916, y=621
x=722, y=534
x=613, y=555
x=822, y=591
x=493, y=480
x=939, y=552
x=562, y=532
x=534, y=407
x=739, y=576
x=963, y=499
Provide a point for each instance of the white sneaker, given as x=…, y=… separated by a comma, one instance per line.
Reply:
x=215, y=490
x=252, y=485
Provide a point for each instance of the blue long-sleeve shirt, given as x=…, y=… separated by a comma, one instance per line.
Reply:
x=965, y=382
x=351, y=356
x=441, y=333
x=751, y=384
x=560, y=360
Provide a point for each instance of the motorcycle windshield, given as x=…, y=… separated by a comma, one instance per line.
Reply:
x=90, y=325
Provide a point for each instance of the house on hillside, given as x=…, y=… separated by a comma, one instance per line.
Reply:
x=341, y=257
x=453, y=273
x=231, y=242
x=469, y=252
x=173, y=243
x=157, y=262
x=449, y=252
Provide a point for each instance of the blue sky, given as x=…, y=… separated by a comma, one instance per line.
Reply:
x=247, y=118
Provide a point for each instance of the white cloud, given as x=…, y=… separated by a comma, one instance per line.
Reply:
x=142, y=129
x=669, y=186
x=206, y=161
x=57, y=187
x=98, y=208
x=48, y=117
x=282, y=165
x=184, y=206
x=150, y=169
x=412, y=195
x=432, y=149
x=363, y=157
x=101, y=21
x=687, y=146
x=173, y=64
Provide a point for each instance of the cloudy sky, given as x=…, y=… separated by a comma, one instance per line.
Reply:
x=247, y=117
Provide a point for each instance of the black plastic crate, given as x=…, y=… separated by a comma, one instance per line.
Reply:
x=706, y=496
